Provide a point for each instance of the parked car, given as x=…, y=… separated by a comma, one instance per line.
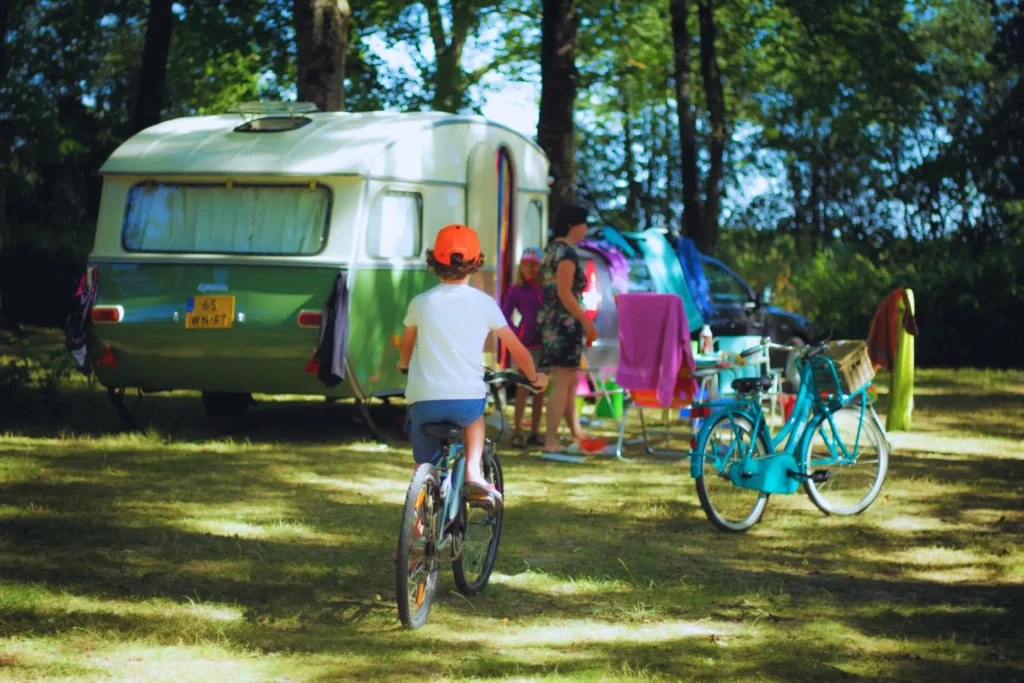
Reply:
x=736, y=310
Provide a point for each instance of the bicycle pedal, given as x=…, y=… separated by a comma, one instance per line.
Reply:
x=820, y=476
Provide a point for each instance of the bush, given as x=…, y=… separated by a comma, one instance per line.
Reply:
x=968, y=304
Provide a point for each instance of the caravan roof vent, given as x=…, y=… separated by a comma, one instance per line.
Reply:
x=272, y=117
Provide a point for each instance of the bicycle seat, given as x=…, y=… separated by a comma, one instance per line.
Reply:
x=748, y=385
x=442, y=430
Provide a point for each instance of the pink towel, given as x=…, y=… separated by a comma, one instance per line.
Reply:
x=654, y=342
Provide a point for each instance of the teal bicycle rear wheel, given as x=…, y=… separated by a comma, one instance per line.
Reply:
x=418, y=562
x=848, y=483
x=729, y=507
x=481, y=530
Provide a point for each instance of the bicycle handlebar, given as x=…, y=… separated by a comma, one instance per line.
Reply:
x=767, y=344
x=510, y=376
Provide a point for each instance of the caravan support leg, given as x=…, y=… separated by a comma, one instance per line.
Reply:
x=116, y=396
x=361, y=401
x=362, y=405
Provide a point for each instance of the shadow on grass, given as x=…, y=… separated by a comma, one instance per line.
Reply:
x=295, y=540
x=180, y=416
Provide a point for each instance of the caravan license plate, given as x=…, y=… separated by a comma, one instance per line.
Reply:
x=210, y=313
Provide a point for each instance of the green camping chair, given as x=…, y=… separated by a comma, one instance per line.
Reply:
x=754, y=367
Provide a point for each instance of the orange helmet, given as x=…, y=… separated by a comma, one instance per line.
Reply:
x=456, y=239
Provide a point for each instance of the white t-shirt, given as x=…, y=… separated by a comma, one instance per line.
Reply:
x=452, y=323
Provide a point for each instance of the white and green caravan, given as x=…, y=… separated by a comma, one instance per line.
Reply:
x=221, y=238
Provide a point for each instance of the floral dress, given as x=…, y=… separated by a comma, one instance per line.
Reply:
x=561, y=334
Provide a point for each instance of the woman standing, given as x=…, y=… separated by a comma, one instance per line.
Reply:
x=563, y=322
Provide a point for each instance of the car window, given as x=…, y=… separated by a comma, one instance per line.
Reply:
x=725, y=288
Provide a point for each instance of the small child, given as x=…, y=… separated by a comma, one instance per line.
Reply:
x=525, y=296
x=442, y=349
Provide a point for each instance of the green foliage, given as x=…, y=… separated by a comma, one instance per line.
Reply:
x=968, y=302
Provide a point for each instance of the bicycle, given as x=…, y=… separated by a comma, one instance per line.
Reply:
x=737, y=464
x=439, y=515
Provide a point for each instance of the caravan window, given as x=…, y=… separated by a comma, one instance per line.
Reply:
x=217, y=219
x=395, y=226
x=533, y=225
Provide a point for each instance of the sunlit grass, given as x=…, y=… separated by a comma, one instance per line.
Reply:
x=184, y=554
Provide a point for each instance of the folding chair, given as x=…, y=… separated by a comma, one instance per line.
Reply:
x=640, y=399
x=653, y=335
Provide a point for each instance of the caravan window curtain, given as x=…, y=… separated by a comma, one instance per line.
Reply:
x=395, y=227
x=217, y=219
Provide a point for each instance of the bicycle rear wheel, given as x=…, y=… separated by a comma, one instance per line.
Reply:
x=416, y=573
x=481, y=530
x=729, y=507
x=851, y=483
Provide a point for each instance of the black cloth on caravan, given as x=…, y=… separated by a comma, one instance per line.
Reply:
x=333, y=343
x=79, y=322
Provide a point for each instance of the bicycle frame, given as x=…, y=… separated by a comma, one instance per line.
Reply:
x=782, y=471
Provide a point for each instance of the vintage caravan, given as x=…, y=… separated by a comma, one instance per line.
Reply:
x=221, y=239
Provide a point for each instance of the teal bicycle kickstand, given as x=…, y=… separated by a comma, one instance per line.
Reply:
x=832, y=444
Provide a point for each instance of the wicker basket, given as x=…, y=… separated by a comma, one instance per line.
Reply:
x=852, y=362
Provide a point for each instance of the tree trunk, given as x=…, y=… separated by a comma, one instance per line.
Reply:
x=321, y=41
x=555, y=125
x=687, y=128
x=450, y=81
x=153, y=75
x=5, y=13
x=716, y=111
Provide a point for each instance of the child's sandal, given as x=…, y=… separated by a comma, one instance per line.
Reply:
x=518, y=441
x=535, y=440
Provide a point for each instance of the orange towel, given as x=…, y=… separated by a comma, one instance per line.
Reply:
x=883, y=336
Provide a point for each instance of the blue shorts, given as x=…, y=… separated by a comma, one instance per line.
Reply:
x=462, y=412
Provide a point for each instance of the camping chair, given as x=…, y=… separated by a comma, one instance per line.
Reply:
x=653, y=336
x=647, y=398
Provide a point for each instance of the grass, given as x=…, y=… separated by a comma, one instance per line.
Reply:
x=265, y=554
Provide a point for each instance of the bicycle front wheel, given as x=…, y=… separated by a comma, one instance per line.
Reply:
x=416, y=574
x=849, y=476
x=481, y=529
x=730, y=507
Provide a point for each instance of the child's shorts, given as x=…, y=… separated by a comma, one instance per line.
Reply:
x=462, y=412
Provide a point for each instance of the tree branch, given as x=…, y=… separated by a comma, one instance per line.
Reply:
x=433, y=8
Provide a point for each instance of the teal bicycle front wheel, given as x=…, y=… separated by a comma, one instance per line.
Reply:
x=847, y=460
x=729, y=507
x=418, y=562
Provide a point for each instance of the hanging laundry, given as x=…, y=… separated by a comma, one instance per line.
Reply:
x=695, y=278
x=901, y=394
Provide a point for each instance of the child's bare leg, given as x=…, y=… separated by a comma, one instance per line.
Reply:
x=521, y=410
x=538, y=410
x=473, y=442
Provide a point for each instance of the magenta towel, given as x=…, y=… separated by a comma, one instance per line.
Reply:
x=654, y=342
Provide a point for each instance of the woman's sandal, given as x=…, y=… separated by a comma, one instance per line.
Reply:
x=518, y=441
x=535, y=440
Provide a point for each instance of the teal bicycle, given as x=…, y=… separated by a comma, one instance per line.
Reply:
x=441, y=517
x=833, y=442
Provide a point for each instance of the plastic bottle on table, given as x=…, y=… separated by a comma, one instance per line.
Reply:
x=707, y=342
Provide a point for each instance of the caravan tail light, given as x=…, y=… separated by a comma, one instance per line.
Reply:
x=107, y=314
x=107, y=359
x=309, y=318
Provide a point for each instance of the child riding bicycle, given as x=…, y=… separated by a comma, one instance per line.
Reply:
x=442, y=348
